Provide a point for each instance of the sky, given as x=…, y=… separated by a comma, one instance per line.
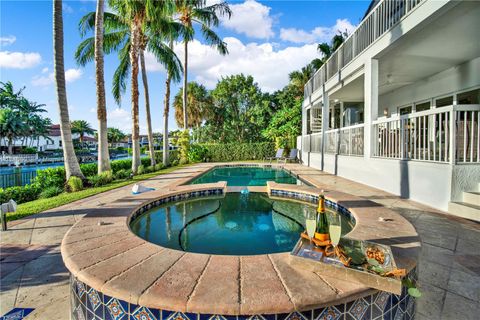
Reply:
x=266, y=39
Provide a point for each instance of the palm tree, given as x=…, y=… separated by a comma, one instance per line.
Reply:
x=82, y=127
x=328, y=49
x=198, y=99
x=151, y=147
x=115, y=135
x=11, y=126
x=72, y=168
x=134, y=27
x=206, y=16
x=166, y=109
x=103, y=155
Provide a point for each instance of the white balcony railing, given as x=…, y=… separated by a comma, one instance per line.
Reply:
x=384, y=16
x=437, y=135
x=345, y=141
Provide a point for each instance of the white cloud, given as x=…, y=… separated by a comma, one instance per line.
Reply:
x=250, y=18
x=269, y=67
x=119, y=118
x=319, y=34
x=71, y=75
x=8, y=40
x=19, y=60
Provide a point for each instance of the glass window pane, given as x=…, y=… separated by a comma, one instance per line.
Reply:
x=470, y=97
x=405, y=110
x=442, y=102
x=422, y=106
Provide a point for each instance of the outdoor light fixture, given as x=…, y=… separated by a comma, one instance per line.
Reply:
x=10, y=206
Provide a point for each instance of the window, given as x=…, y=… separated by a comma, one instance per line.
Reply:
x=443, y=102
x=422, y=106
x=60, y=143
x=405, y=110
x=469, y=97
x=352, y=113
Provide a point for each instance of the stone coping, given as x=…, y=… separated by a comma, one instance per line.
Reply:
x=101, y=251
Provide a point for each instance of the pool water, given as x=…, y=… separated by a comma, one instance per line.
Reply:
x=246, y=176
x=238, y=224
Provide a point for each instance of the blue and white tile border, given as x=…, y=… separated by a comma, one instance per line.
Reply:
x=380, y=305
x=174, y=198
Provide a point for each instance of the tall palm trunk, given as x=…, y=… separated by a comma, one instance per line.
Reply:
x=166, y=110
x=72, y=168
x=135, y=34
x=103, y=156
x=147, y=110
x=185, y=82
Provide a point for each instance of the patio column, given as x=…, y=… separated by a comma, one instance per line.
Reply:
x=325, y=122
x=371, y=104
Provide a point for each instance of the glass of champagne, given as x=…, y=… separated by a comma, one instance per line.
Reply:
x=310, y=222
x=335, y=230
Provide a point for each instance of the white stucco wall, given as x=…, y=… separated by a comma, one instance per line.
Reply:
x=458, y=78
x=427, y=183
x=465, y=177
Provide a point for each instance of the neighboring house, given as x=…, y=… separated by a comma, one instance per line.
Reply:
x=53, y=141
x=397, y=106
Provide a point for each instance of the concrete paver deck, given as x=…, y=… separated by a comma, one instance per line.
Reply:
x=449, y=270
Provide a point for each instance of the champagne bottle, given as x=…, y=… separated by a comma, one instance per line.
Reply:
x=322, y=221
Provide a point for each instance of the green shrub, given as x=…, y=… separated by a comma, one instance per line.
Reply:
x=122, y=174
x=20, y=194
x=50, y=177
x=51, y=191
x=150, y=169
x=89, y=169
x=172, y=156
x=75, y=184
x=197, y=153
x=184, y=146
x=232, y=151
x=141, y=169
x=29, y=150
x=101, y=179
x=117, y=165
x=159, y=166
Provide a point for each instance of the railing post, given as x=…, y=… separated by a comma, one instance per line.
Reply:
x=453, y=135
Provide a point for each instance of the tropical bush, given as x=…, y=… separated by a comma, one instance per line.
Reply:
x=89, y=169
x=75, y=184
x=231, y=151
x=122, y=174
x=49, y=192
x=20, y=194
x=50, y=177
x=184, y=146
x=141, y=169
x=101, y=179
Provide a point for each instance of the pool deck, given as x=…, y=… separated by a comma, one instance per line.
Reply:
x=33, y=274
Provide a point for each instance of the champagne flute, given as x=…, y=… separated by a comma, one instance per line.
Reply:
x=310, y=222
x=335, y=230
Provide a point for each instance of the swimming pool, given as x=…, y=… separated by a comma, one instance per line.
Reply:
x=246, y=176
x=237, y=224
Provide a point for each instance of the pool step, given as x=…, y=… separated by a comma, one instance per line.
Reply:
x=464, y=210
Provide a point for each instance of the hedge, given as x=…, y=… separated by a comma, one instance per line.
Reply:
x=231, y=151
x=54, y=178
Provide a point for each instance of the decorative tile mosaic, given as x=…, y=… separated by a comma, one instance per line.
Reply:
x=17, y=314
x=177, y=197
x=380, y=305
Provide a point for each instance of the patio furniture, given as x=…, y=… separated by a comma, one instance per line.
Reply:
x=278, y=156
x=292, y=156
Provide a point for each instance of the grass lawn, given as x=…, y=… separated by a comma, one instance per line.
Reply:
x=37, y=206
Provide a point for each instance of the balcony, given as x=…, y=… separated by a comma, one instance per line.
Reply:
x=381, y=19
